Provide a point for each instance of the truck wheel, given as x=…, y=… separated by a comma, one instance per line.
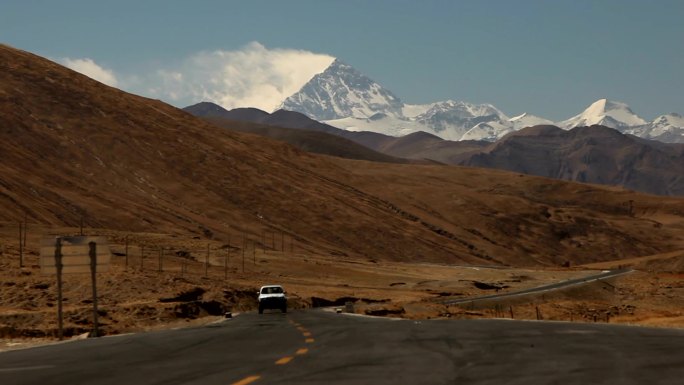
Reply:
x=261, y=310
x=284, y=309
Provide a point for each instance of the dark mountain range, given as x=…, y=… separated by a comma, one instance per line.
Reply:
x=419, y=146
x=298, y=130
x=313, y=141
x=594, y=154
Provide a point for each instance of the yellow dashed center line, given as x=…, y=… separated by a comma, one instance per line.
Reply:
x=284, y=360
x=246, y=380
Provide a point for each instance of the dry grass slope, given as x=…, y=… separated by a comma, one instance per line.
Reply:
x=73, y=147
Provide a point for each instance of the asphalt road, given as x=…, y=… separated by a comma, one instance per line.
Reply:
x=317, y=347
x=544, y=288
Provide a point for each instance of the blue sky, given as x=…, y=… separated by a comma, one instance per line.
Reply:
x=549, y=58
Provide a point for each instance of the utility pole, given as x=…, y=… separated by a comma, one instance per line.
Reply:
x=21, y=244
x=58, y=266
x=206, y=262
x=93, y=274
x=25, y=228
x=161, y=254
x=243, y=252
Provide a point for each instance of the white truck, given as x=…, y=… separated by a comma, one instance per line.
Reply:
x=272, y=297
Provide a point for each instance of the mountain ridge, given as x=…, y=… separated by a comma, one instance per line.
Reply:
x=76, y=149
x=331, y=98
x=633, y=157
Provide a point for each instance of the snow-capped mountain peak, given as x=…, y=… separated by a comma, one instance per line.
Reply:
x=672, y=119
x=608, y=113
x=528, y=120
x=463, y=109
x=453, y=119
x=340, y=92
x=665, y=128
x=343, y=97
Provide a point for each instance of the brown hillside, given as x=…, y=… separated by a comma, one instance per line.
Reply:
x=307, y=140
x=72, y=147
x=593, y=154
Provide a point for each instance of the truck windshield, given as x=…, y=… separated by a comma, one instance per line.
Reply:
x=272, y=290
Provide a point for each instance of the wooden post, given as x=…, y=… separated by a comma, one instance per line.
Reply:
x=25, y=228
x=510, y=308
x=263, y=240
x=161, y=254
x=225, y=265
x=126, y=252
x=93, y=274
x=226, y=259
x=206, y=262
x=243, y=252
x=21, y=244
x=58, y=266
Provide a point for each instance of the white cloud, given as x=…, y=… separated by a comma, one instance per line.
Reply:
x=91, y=69
x=253, y=76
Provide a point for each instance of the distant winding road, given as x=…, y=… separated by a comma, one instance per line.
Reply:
x=541, y=289
x=318, y=347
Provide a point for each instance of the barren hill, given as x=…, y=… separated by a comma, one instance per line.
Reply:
x=73, y=147
x=593, y=154
x=298, y=130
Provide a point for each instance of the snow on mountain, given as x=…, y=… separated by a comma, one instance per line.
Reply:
x=341, y=92
x=491, y=131
x=343, y=97
x=665, y=128
x=413, y=110
x=528, y=120
x=666, y=124
x=451, y=119
x=669, y=120
x=380, y=123
x=607, y=113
